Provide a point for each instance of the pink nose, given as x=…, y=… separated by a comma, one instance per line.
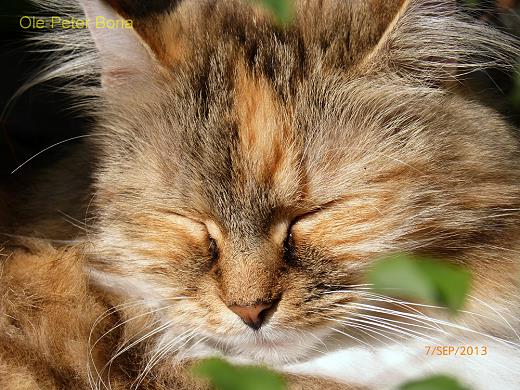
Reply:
x=253, y=315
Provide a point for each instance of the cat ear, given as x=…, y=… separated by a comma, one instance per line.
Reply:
x=403, y=43
x=122, y=52
x=435, y=41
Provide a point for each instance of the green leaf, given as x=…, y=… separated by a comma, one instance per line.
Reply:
x=425, y=279
x=224, y=376
x=437, y=382
x=283, y=10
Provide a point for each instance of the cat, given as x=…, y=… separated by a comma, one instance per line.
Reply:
x=243, y=175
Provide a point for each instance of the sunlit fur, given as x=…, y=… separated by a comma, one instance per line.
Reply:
x=345, y=129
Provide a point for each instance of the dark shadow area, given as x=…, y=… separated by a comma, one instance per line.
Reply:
x=41, y=116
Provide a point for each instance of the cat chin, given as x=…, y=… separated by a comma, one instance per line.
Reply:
x=253, y=350
x=250, y=354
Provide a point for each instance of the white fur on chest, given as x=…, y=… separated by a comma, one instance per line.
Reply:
x=387, y=367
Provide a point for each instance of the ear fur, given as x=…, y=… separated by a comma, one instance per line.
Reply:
x=123, y=54
x=433, y=41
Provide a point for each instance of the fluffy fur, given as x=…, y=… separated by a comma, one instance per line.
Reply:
x=54, y=326
x=237, y=162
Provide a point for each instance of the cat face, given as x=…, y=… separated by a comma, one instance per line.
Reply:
x=243, y=190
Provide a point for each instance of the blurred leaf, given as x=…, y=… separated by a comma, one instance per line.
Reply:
x=283, y=10
x=421, y=278
x=224, y=376
x=437, y=382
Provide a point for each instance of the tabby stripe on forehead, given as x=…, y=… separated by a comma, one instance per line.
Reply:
x=264, y=132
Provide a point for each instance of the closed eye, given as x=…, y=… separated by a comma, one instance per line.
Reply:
x=213, y=249
x=289, y=254
x=289, y=245
x=197, y=227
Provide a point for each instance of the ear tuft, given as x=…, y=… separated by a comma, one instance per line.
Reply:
x=123, y=54
x=435, y=40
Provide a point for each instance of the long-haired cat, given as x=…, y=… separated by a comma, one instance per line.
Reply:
x=245, y=174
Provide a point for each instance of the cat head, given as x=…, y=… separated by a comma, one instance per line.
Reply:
x=248, y=173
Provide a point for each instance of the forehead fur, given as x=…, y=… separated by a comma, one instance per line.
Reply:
x=264, y=132
x=235, y=77
x=253, y=119
x=343, y=31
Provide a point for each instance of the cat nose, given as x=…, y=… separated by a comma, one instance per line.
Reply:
x=253, y=315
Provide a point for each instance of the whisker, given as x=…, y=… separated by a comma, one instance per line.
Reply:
x=108, y=313
x=74, y=222
x=48, y=148
x=184, y=353
x=166, y=349
x=421, y=318
x=410, y=305
x=395, y=328
x=350, y=336
x=379, y=332
x=437, y=321
x=388, y=320
x=122, y=350
x=300, y=333
x=497, y=313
